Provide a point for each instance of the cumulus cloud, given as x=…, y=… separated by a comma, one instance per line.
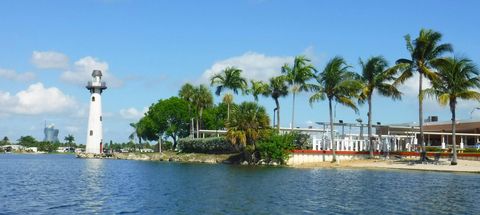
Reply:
x=15, y=76
x=36, y=100
x=132, y=113
x=49, y=60
x=254, y=65
x=82, y=71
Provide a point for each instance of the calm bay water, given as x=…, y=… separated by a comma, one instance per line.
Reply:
x=62, y=184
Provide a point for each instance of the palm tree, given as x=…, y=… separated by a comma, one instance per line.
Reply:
x=202, y=98
x=457, y=77
x=376, y=76
x=245, y=124
x=336, y=83
x=135, y=132
x=69, y=138
x=423, y=51
x=230, y=78
x=277, y=88
x=186, y=93
x=258, y=88
x=297, y=77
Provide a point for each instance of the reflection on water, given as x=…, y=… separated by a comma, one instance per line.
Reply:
x=61, y=184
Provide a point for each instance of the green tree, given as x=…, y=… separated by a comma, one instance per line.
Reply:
x=457, y=79
x=258, y=88
x=230, y=78
x=425, y=49
x=202, y=98
x=377, y=76
x=246, y=123
x=297, y=76
x=277, y=88
x=27, y=141
x=336, y=83
x=5, y=141
x=70, y=140
x=168, y=117
x=186, y=92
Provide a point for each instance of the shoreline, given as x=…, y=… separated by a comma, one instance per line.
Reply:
x=463, y=166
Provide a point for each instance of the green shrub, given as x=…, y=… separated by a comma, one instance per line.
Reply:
x=212, y=145
x=433, y=149
x=471, y=150
x=276, y=147
x=301, y=140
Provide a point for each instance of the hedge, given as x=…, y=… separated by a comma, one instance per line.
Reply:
x=211, y=145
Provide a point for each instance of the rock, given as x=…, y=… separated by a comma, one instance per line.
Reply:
x=273, y=163
x=244, y=163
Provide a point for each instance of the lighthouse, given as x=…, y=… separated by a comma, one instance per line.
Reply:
x=94, y=132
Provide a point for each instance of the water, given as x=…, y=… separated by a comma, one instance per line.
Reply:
x=62, y=184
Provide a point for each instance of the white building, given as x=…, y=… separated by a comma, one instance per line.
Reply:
x=94, y=132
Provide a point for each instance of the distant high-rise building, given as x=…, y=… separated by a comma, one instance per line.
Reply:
x=51, y=134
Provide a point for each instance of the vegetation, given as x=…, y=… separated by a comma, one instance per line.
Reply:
x=424, y=50
x=276, y=147
x=70, y=140
x=230, y=78
x=336, y=83
x=377, y=76
x=212, y=145
x=456, y=79
x=297, y=77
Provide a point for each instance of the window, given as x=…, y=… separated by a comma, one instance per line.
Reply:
x=93, y=98
x=91, y=132
x=100, y=118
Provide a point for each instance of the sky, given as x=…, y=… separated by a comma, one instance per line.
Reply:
x=148, y=49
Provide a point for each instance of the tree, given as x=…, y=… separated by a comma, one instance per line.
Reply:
x=202, y=98
x=457, y=79
x=336, y=83
x=186, y=92
x=377, y=76
x=168, y=117
x=298, y=76
x=70, y=140
x=277, y=88
x=5, y=141
x=230, y=78
x=214, y=118
x=27, y=141
x=258, y=88
x=247, y=120
x=425, y=49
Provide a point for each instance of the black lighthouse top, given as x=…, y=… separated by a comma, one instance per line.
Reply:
x=96, y=82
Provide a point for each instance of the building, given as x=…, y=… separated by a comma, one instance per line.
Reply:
x=51, y=134
x=94, y=131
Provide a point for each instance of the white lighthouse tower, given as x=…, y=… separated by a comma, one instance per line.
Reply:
x=94, y=132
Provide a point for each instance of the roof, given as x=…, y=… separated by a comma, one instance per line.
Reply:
x=96, y=73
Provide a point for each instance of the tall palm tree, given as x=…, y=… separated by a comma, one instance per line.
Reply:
x=297, y=77
x=202, y=98
x=457, y=79
x=246, y=122
x=336, y=83
x=277, y=88
x=258, y=88
x=377, y=76
x=230, y=78
x=69, y=138
x=423, y=51
x=186, y=93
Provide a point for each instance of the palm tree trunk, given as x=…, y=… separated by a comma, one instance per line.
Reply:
x=293, y=111
x=370, y=142
x=454, y=140
x=228, y=111
x=278, y=115
x=198, y=132
x=334, y=145
x=420, y=117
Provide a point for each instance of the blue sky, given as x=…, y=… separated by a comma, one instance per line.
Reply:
x=148, y=49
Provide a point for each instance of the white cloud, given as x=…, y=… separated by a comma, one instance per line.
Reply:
x=132, y=113
x=14, y=76
x=82, y=71
x=49, y=60
x=254, y=65
x=36, y=100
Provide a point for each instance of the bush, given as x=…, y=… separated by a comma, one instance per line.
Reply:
x=212, y=145
x=301, y=140
x=433, y=149
x=471, y=150
x=276, y=147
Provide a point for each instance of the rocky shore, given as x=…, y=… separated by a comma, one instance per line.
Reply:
x=166, y=156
